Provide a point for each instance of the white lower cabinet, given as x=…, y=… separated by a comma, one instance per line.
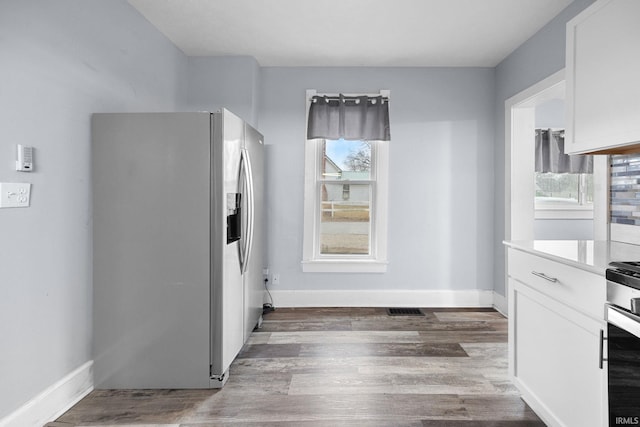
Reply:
x=554, y=348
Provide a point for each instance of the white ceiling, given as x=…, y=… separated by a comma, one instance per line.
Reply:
x=352, y=32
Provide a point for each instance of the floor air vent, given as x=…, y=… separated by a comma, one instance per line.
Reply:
x=404, y=312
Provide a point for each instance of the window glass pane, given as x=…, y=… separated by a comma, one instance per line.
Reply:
x=562, y=188
x=345, y=219
x=552, y=188
x=346, y=160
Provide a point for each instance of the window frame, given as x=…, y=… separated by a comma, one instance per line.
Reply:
x=376, y=260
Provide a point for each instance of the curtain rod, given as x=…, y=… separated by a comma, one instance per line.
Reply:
x=385, y=93
x=348, y=97
x=559, y=130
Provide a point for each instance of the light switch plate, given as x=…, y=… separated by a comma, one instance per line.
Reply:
x=15, y=195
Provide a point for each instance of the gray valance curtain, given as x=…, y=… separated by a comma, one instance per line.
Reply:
x=352, y=118
x=550, y=155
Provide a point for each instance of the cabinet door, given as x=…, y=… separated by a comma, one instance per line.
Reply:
x=603, y=77
x=555, y=358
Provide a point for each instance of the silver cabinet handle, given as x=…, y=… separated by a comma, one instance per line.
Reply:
x=602, y=340
x=545, y=277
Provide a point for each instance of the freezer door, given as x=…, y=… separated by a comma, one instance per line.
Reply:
x=253, y=277
x=151, y=261
x=227, y=293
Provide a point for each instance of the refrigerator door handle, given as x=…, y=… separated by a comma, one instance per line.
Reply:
x=243, y=182
x=245, y=251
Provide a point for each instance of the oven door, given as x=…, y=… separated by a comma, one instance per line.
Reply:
x=623, y=345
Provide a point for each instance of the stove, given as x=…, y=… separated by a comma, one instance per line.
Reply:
x=622, y=313
x=623, y=285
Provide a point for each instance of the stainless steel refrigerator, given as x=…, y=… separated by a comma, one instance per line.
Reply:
x=178, y=241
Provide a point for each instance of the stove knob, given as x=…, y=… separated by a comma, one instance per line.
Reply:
x=635, y=305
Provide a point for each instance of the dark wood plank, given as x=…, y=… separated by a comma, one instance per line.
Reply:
x=477, y=423
x=316, y=325
x=321, y=423
x=329, y=408
x=269, y=351
x=104, y=407
x=322, y=314
x=464, y=336
x=382, y=350
x=418, y=324
x=498, y=408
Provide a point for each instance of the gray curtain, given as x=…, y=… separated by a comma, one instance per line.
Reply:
x=351, y=118
x=550, y=155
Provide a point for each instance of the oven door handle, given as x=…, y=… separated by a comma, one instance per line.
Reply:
x=601, y=354
x=623, y=319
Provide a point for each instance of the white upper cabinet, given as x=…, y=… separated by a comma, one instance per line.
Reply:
x=603, y=78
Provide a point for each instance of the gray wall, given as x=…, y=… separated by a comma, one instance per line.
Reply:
x=441, y=174
x=550, y=114
x=537, y=58
x=230, y=82
x=62, y=61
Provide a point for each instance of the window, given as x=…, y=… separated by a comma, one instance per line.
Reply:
x=564, y=190
x=345, y=205
x=563, y=183
x=346, y=191
x=564, y=195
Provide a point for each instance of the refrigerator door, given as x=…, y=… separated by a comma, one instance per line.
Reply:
x=253, y=277
x=151, y=260
x=227, y=293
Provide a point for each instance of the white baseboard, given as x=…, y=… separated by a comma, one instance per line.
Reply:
x=500, y=304
x=54, y=400
x=382, y=298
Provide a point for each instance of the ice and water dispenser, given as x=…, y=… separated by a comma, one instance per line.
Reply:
x=234, y=217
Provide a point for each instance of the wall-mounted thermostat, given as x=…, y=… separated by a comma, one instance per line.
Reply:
x=24, y=158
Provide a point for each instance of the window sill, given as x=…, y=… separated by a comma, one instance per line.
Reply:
x=344, y=266
x=564, y=213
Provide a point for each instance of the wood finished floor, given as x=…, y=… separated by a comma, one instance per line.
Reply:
x=350, y=367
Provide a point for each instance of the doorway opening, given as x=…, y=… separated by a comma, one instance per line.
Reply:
x=542, y=106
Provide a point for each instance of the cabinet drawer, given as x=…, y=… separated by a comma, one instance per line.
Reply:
x=573, y=286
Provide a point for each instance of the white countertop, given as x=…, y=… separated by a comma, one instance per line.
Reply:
x=590, y=255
